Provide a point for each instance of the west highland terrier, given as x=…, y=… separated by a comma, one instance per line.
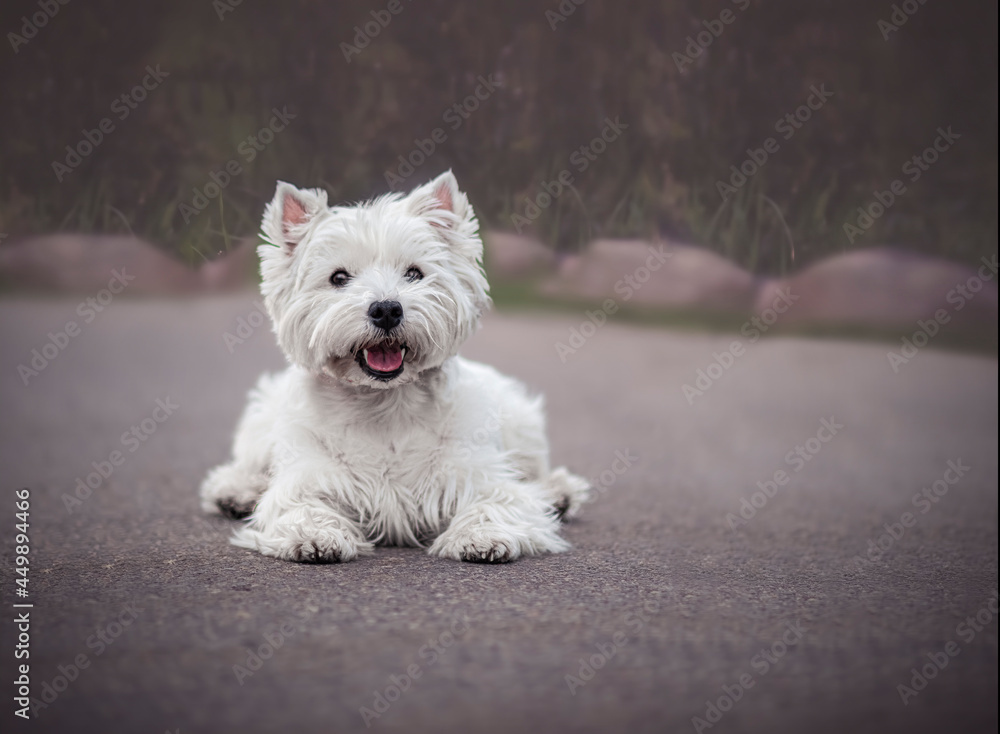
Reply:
x=378, y=433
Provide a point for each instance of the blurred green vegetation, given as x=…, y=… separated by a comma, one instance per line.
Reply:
x=523, y=297
x=354, y=118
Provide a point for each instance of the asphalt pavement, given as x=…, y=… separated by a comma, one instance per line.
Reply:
x=803, y=541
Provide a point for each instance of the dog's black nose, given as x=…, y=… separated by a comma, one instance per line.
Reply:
x=386, y=315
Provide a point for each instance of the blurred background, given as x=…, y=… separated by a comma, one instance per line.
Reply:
x=363, y=92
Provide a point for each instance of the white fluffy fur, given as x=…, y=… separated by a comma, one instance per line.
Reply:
x=328, y=460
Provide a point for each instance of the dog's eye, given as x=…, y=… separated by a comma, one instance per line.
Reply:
x=340, y=278
x=413, y=275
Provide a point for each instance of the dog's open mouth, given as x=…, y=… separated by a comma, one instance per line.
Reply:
x=383, y=361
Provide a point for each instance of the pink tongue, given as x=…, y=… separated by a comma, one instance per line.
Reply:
x=385, y=359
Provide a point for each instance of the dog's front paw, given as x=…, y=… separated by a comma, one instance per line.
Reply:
x=568, y=492
x=318, y=546
x=481, y=543
x=235, y=509
x=232, y=491
x=487, y=552
x=323, y=547
x=304, y=540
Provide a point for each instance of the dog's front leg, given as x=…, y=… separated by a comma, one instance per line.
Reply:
x=302, y=515
x=509, y=520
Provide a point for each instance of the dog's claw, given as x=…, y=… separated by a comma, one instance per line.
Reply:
x=312, y=553
x=496, y=554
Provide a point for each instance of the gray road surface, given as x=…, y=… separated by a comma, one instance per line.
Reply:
x=662, y=606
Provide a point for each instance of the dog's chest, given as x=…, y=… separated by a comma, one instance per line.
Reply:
x=390, y=461
x=398, y=482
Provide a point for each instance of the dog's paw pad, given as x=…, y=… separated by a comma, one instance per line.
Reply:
x=320, y=545
x=561, y=507
x=496, y=553
x=292, y=541
x=234, y=509
x=313, y=552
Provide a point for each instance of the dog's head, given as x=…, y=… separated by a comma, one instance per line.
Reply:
x=377, y=293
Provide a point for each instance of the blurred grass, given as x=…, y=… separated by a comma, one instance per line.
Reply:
x=523, y=298
x=353, y=120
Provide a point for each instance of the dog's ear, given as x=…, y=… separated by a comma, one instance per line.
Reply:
x=287, y=217
x=447, y=208
x=442, y=202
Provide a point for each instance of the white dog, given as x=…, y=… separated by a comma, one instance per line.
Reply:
x=378, y=432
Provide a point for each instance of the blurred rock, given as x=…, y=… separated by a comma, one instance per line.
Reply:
x=85, y=263
x=510, y=256
x=886, y=288
x=657, y=275
x=876, y=289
